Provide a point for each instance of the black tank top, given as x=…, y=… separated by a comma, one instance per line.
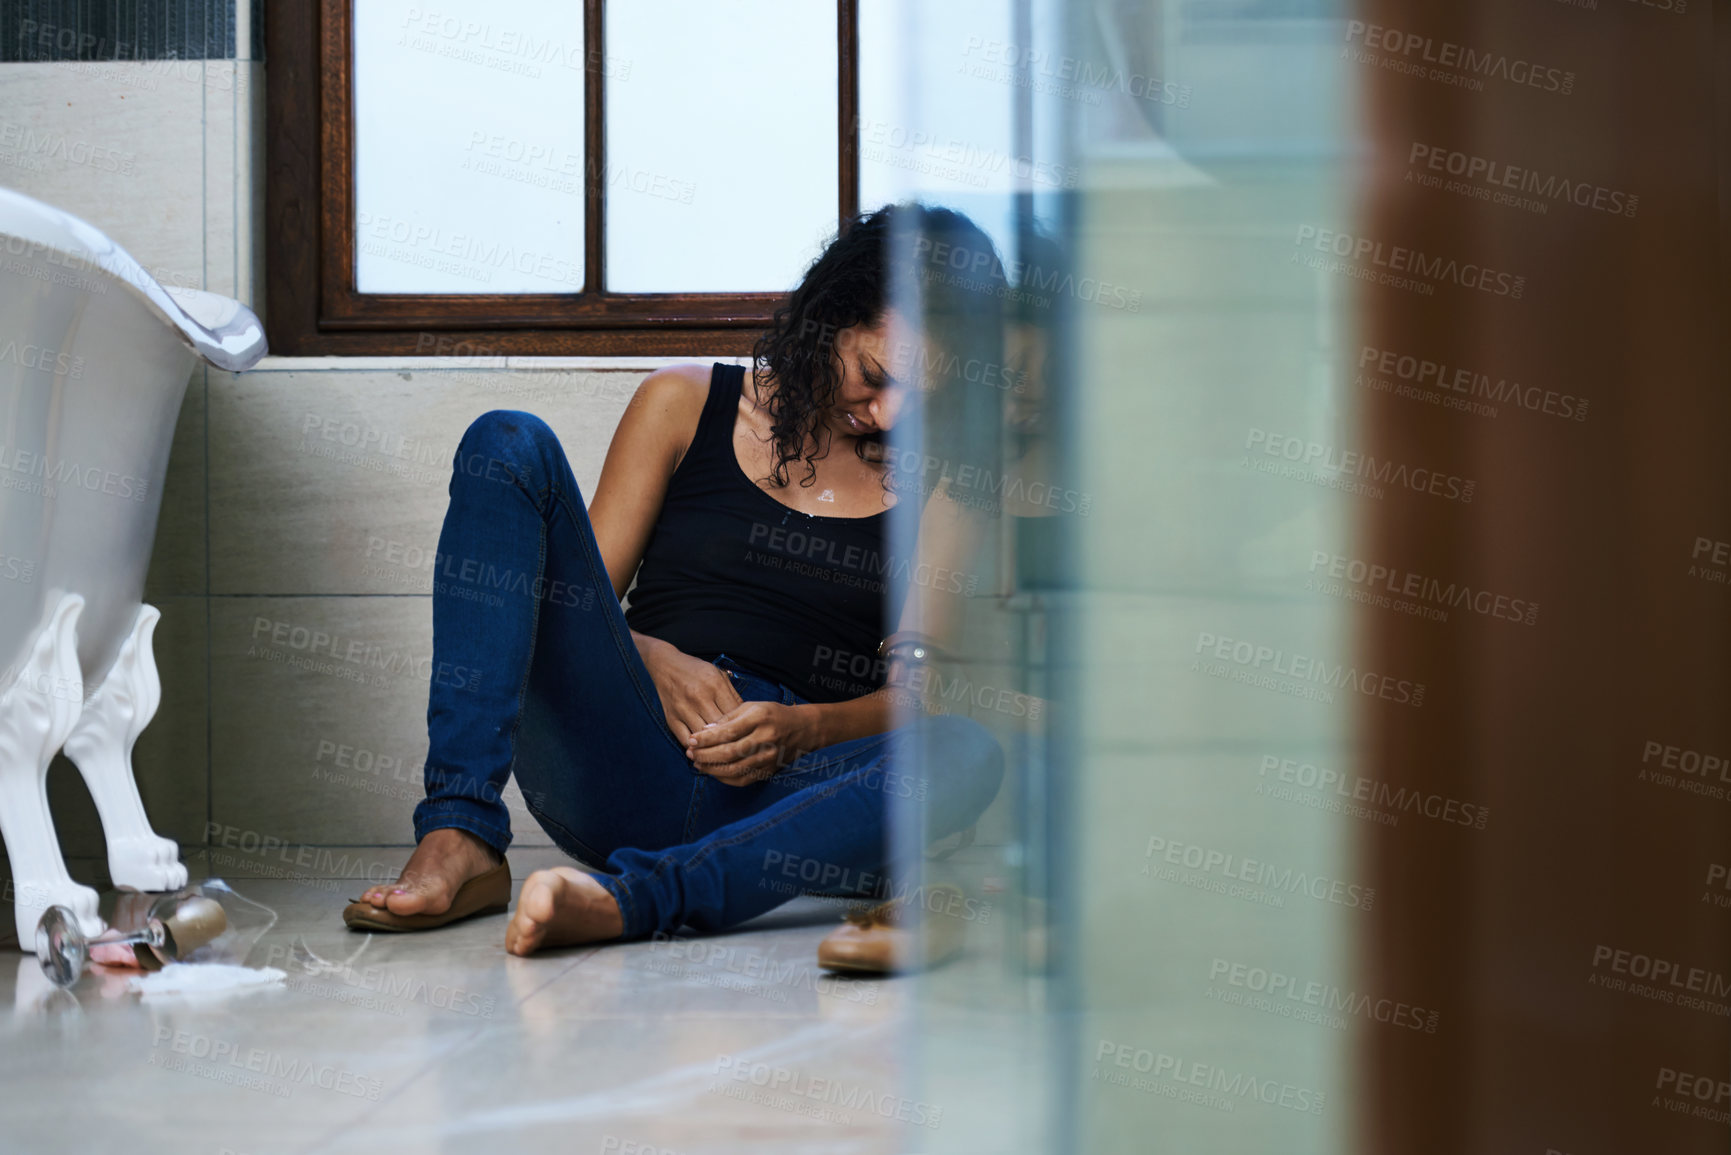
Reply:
x=796, y=598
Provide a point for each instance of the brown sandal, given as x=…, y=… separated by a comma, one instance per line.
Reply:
x=879, y=940
x=486, y=893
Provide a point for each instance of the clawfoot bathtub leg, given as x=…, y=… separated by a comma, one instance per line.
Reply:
x=101, y=745
x=36, y=714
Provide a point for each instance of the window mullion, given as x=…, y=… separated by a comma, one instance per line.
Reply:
x=847, y=106
x=594, y=149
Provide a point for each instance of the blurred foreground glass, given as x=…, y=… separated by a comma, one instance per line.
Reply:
x=1127, y=542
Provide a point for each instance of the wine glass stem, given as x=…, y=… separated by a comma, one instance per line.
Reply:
x=151, y=935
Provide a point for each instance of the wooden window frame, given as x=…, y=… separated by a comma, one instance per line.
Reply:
x=312, y=306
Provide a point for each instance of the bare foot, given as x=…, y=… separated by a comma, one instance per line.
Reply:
x=561, y=907
x=445, y=859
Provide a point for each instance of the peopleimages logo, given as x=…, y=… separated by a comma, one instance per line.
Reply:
x=1420, y=50
x=790, y=1088
x=23, y=140
x=1681, y=768
x=1290, y=664
x=1208, y=861
x=1497, y=176
x=883, y=141
x=42, y=357
x=482, y=252
x=319, y=863
x=1298, y=993
x=1660, y=980
x=1439, y=377
x=1709, y=561
x=1328, y=789
x=759, y=972
x=1365, y=470
x=1430, y=597
x=551, y=166
x=1693, y=1094
x=39, y=475
x=352, y=986
x=1070, y=77
x=470, y=40
x=1230, y=1086
x=1415, y=262
x=866, y=886
x=272, y=1065
x=303, y=645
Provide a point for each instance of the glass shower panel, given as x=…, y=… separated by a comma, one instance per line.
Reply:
x=1216, y=894
x=1150, y=633
x=990, y=498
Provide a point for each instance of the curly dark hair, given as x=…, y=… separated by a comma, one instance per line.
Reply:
x=936, y=260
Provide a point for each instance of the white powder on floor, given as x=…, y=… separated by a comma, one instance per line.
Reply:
x=203, y=978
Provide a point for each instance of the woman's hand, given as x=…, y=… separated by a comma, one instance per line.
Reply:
x=753, y=741
x=693, y=692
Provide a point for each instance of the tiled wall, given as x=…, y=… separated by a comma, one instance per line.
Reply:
x=323, y=487
x=162, y=153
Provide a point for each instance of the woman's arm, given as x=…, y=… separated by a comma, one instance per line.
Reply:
x=652, y=438
x=757, y=738
x=948, y=543
x=827, y=723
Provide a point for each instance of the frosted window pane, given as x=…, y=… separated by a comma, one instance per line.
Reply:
x=721, y=143
x=469, y=146
x=886, y=76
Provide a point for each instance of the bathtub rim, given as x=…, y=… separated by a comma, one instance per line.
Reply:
x=233, y=340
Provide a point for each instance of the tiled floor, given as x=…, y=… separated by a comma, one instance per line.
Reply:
x=442, y=1042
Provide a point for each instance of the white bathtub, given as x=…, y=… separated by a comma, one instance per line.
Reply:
x=94, y=360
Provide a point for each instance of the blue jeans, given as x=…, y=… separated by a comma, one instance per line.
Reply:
x=535, y=674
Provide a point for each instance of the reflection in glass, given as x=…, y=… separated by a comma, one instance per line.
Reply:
x=1150, y=320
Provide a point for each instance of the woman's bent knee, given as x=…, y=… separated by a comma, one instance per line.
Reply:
x=961, y=759
x=506, y=429
x=507, y=445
